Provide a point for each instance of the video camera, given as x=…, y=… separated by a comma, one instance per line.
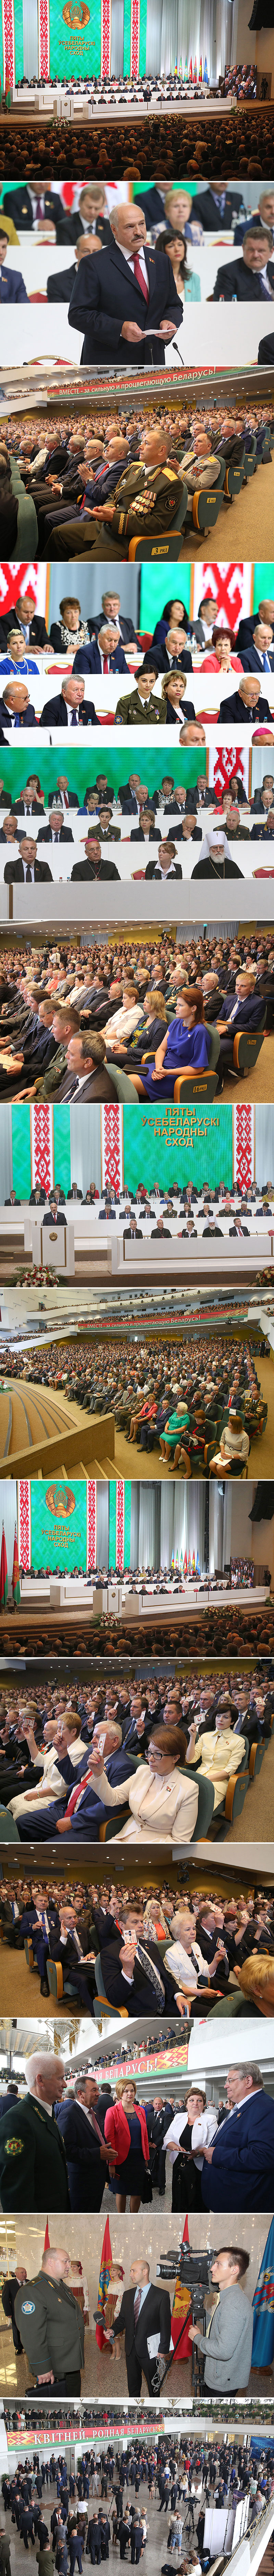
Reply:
x=193, y=2270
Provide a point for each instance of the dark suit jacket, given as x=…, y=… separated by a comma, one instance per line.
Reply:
x=59, y=286
x=127, y=630
x=206, y=213
x=141, y=1993
x=73, y=800
x=37, y=635
x=152, y=864
x=266, y=350
x=55, y=713
x=14, y=872
x=185, y=711
x=27, y=718
x=234, y=711
x=240, y=2174
x=155, y=2317
x=98, y=1086
x=88, y=658
x=12, y=289
x=139, y=835
x=46, y=833
x=160, y=657
x=70, y=227
x=18, y=204
x=235, y=282
x=34, y=808
x=82, y=2150
x=106, y=294
x=251, y=661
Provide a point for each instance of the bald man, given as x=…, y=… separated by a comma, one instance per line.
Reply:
x=33, y=2164
x=125, y=300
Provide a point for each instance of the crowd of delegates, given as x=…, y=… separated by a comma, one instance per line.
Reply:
x=89, y=482
x=164, y=143
x=169, y=817
x=42, y=210
x=66, y=1763
x=221, y=2150
x=98, y=2506
x=185, y=1398
x=204, y=1948
x=178, y=640
x=73, y=1017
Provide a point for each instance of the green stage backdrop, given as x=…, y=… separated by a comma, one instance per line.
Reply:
x=58, y=1535
x=201, y=1138
x=75, y=38
x=22, y=1180
x=185, y=766
x=155, y=590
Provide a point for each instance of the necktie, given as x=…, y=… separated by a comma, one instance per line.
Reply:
x=17, y=720
x=105, y=665
x=266, y=662
x=65, y=794
x=74, y=717
x=137, y=2305
x=141, y=281
x=28, y=870
x=150, y=1971
x=39, y=210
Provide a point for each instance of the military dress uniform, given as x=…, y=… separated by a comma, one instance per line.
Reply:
x=33, y=2164
x=145, y=505
x=135, y=711
x=51, y=2326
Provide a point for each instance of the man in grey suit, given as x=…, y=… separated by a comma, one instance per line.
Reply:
x=228, y=2343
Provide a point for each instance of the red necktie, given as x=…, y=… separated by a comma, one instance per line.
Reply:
x=105, y=665
x=141, y=281
x=65, y=796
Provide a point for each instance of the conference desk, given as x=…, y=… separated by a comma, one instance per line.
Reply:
x=86, y=1249
x=59, y=1592
x=61, y=101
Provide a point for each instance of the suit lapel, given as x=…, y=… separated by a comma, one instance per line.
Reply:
x=119, y=262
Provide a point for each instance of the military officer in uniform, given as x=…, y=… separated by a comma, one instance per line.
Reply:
x=33, y=2164
x=145, y=503
x=142, y=707
x=51, y=2326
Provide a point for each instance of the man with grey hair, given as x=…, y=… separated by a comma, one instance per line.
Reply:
x=125, y=300
x=33, y=2164
x=238, y=2169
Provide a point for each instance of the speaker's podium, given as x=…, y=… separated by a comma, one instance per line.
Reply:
x=49, y=1244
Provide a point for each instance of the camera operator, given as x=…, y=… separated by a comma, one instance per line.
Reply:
x=227, y=2344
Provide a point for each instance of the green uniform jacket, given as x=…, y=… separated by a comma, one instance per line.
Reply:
x=51, y=2326
x=55, y=1073
x=33, y=2164
x=145, y=502
x=133, y=712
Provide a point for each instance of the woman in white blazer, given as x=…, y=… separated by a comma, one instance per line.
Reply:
x=161, y=1797
x=192, y=2129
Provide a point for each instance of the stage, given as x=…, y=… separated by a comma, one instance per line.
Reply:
x=86, y=1250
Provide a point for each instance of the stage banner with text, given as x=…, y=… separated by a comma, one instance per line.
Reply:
x=57, y=1525
x=74, y=39
x=195, y=1145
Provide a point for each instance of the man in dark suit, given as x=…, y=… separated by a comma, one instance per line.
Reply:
x=12, y=289
x=266, y=350
x=126, y=299
x=258, y=655
x=80, y=2118
x=61, y=282
x=68, y=796
x=88, y=1075
x=57, y=830
x=246, y=705
x=144, y=2311
x=241, y=281
x=237, y=2168
x=172, y=655
x=27, y=869
x=245, y=630
x=124, y=1958
x=72, y=697
x=30, y=626
x=91, y=216
x=111, y=608
x=15, y=706
x=18, y=203
x=103, y=654
x=216, y=207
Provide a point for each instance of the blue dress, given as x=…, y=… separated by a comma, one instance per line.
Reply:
x=184, y=1046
